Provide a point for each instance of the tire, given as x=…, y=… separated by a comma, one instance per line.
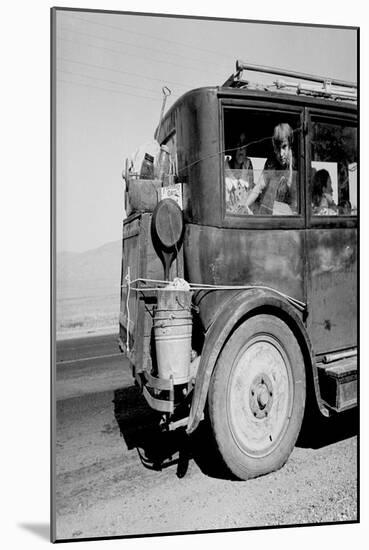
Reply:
x=256, y=397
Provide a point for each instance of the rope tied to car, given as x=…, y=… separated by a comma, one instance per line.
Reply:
x=132, y=286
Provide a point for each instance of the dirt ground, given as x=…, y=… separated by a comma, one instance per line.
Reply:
x=105, y=487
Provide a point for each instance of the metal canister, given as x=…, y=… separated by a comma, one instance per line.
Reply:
x=147, y=168
x=173, y=332
x=163, y=166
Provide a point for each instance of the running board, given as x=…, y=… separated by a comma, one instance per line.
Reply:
x=338, y=383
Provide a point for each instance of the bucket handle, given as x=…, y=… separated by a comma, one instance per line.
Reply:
x=182, y=305
x=173, y=315
x=163, y=324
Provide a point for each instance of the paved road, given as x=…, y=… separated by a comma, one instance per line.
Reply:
x=88, y=365
x=74, y=349
x=118, y=475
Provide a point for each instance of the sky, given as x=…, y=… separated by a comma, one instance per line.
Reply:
x=110, y=70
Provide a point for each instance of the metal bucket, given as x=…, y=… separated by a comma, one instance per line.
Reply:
x=173, y=330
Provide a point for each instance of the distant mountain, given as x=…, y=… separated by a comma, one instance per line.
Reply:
x=80, y=274
x=88, y=288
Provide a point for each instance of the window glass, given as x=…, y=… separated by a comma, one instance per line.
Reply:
x=171, y=143
x=333, y=175
x=261, y=162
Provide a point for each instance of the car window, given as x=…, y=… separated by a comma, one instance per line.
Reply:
x=261, y=162
x=333, y=170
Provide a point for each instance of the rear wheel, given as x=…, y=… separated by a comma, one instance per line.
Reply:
x=257, y=397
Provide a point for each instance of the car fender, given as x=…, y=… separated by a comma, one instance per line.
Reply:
x=233, y=312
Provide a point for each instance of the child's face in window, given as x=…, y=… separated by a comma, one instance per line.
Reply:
x=328, y=191
x=241, y=154
x=282, y=151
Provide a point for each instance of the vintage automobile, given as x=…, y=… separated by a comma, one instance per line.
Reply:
x=263, y=320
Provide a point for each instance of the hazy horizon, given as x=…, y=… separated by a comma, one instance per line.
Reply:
x=87, y=249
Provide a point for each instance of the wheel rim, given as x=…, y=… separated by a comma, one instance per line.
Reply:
x=260, y=395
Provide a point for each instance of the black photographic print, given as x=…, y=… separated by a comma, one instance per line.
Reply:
x=205, y=204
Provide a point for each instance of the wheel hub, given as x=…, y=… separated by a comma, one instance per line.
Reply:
x=261, y=396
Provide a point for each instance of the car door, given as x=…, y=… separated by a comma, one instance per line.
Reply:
x=331, y=235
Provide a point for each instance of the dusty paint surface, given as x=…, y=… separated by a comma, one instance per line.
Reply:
x=332, y=289
x=240, y=257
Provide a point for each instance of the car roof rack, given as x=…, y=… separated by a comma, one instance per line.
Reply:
x=322, y=87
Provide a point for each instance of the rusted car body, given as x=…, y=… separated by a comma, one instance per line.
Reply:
x=294, y=272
